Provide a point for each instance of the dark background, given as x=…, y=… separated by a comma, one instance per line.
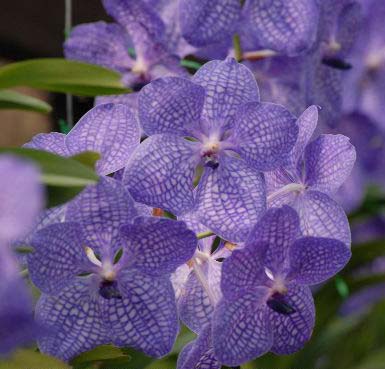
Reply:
x=31, y=29
x=35, y=29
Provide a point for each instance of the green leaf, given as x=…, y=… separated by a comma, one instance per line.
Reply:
x=64, y=177
x=108, y=356
x=87, y=158
x=15, y=100
x=165, y=363
x=185, y=336
x=61, y=75
x=60, y=195
x=100, y=353
x=134, y=359
x=375, y=360
x=32, y=360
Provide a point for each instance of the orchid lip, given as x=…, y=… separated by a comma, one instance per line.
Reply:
x=136, y=87
x=337, y=63
x=212, y=164
x=280, y=306
x=109, y=290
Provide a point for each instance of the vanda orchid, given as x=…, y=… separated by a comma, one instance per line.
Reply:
x=220, y=205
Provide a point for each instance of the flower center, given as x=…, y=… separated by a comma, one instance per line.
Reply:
x=375, y=60
x=331, y=59
x=106, y=268
x=108, y=287
x=278, y=290
x=210, y=148
x=108, y=272
x=279, y=286
x=334, y=46
x=139, y=67
x=278, y=283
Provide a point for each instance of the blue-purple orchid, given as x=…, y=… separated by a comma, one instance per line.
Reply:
x=139, y=27
x=365, y=82
x=369, y=142
x=267, y=304
x=93, y=297
x=317, y=76
x=329, y=65
x=261, y=24
x=199, y=353
x=222, y=195
x=197, y=283
x=217, y=122
x=313, y=172
x=109, y=129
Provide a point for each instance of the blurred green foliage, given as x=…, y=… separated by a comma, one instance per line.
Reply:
x=61, y=75
x=30, y=359
x=14, y=100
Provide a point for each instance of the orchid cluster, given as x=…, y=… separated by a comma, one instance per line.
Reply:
x=219, y=199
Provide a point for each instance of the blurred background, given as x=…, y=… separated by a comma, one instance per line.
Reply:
x=35, y=29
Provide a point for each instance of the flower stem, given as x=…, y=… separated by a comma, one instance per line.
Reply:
x=67, y=30
x=205, y=235
x=190, y=64
x=237, y=47
x=24, y=249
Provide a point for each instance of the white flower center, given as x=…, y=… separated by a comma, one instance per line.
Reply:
x=211, y=145
x=278, y=283
x=139, y=67
x=375, y=59
x=334, y=46
x=107, y=270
